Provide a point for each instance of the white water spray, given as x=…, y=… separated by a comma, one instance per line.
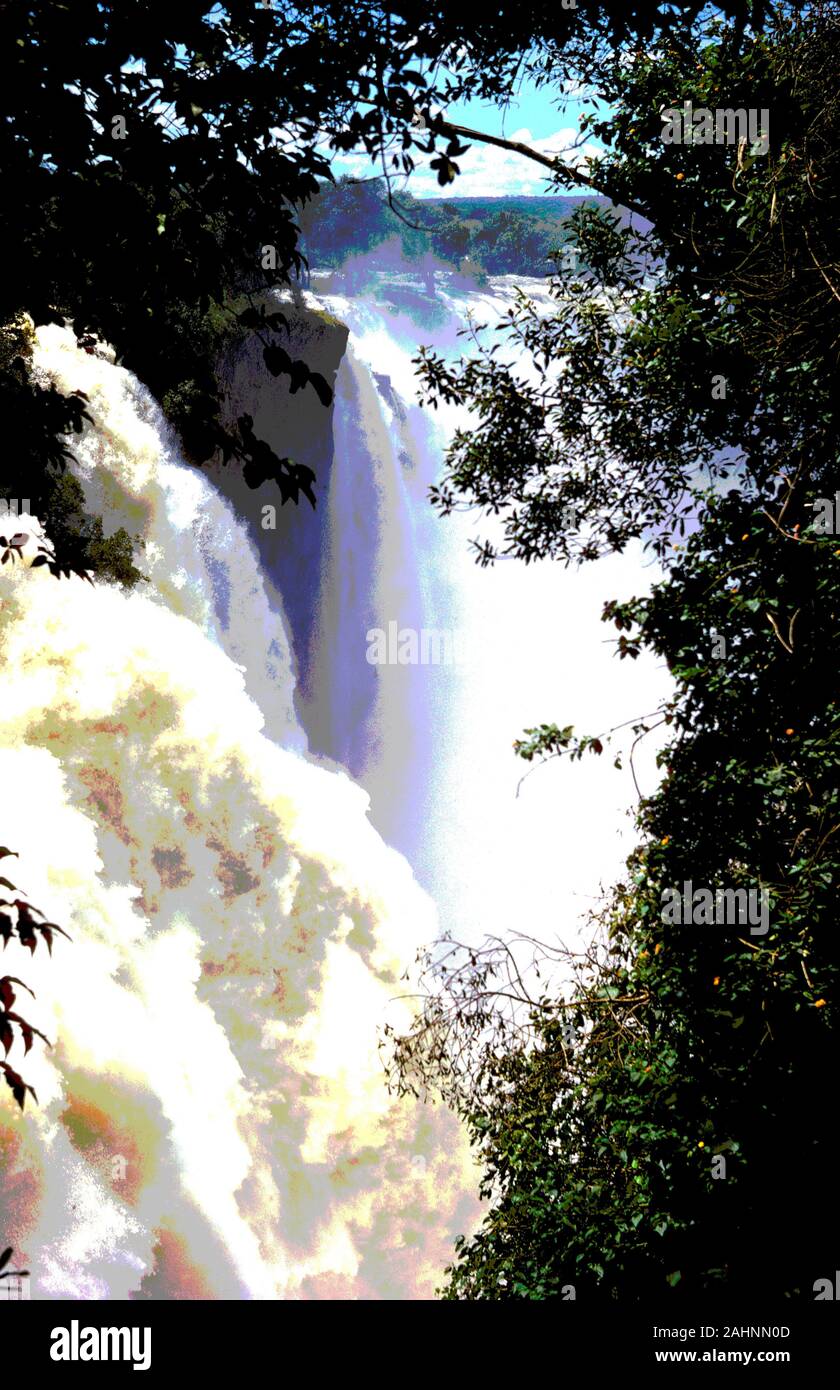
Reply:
x=213, y=1120
x=536, y=649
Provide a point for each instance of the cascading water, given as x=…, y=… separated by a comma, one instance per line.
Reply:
x=435, y=751
x=212, y=1121
x=372, y=567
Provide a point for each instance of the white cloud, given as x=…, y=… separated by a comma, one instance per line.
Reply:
x=486, y=170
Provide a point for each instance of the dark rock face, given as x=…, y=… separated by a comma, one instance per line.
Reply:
x=296, y=426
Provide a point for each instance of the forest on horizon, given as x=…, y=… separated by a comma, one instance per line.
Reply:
x=653, y=1117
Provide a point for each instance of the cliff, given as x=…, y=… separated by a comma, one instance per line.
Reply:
x=290, y=539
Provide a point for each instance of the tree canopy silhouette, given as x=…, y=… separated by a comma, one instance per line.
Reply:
x=652, y=1115
x=155, y=158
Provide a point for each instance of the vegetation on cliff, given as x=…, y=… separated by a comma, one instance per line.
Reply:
x=653, y=1117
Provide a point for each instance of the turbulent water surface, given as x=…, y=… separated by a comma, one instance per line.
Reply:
x=213, y=1119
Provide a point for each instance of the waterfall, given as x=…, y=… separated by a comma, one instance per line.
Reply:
x=212, y=1120
x=248, y=828
x=434, y=747
x=371, y=574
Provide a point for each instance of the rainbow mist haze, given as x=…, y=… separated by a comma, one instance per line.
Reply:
x=173, y=760
x=238, y=926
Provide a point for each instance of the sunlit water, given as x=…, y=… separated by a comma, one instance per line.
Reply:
x=213, y=1120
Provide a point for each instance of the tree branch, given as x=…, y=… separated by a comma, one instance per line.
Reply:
x=553, y=163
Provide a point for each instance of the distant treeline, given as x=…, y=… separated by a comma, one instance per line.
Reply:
x=496, y=236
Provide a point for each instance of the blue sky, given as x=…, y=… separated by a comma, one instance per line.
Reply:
x=533, y=119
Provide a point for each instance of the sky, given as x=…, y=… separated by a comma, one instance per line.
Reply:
x=533, y=119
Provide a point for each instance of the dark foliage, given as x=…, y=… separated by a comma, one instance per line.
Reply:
x=653, y=1118
x=20, y=919
x=154, y=159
